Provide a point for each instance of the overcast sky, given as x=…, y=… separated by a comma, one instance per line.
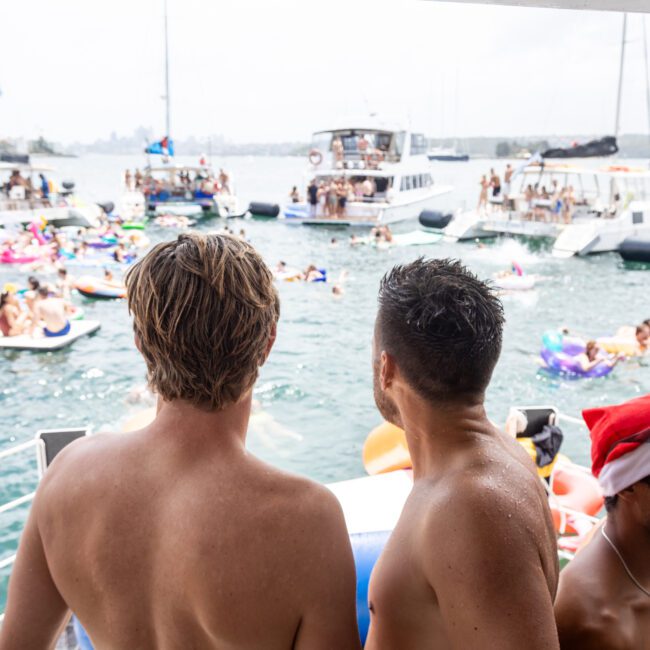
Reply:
x=75, y=70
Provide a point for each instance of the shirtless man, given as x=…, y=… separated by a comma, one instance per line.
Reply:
x=472, y=562
x=179, y=537
x=603, y=601
x=53, y=312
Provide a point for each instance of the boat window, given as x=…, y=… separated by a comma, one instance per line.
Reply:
x=637, y=217
x=418, y=144
x=398, y=142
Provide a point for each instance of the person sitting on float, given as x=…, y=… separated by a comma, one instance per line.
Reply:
x=592, y=357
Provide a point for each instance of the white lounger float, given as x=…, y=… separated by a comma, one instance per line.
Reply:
x=78, y=328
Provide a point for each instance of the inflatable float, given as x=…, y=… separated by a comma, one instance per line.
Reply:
x=90, y=287
x=561, y=355
x=515, y=282
x=10, y=257
x=78, y=328
x=133, y=225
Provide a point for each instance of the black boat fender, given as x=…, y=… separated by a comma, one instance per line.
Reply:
x=258, y=209
x=434, y=219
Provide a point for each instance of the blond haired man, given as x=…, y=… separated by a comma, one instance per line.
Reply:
x=175, y=536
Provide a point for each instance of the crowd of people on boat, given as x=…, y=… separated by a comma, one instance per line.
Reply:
x=555, y=204
x=201, y=180
x=473, y=557
x=329, y=197
x=20, y=188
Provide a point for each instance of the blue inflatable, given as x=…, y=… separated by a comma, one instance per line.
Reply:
x=366, y=548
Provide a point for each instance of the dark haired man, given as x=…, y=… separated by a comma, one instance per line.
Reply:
x=174, y=536
x=603, y=601
x=472, y=562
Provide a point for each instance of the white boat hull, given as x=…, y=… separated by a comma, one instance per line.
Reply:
x=605, y=234
x=369, y=214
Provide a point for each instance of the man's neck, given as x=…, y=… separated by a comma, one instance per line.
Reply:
x=632, y=541
x=434, y=431
x=224, y=429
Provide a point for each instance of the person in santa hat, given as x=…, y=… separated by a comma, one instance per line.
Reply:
x=603, y=600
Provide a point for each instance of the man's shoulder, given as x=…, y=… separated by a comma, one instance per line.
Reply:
x=585, y=616
x=306, y=498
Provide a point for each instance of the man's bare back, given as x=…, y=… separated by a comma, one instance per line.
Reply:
x=174, y=536
x=464, y=537
x=52, y=311
x=169, y=538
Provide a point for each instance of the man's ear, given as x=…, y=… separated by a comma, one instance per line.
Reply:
x=387, y=370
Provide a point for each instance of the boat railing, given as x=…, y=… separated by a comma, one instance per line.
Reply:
x=18, y=501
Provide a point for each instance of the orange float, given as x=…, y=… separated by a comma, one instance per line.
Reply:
x=575, y=497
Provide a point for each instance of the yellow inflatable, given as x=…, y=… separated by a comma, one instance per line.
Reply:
x=620, y=345
x=385, y=450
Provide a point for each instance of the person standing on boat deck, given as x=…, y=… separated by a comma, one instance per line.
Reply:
x=603, y=601
x=472, y=561
x=495, y=184
x=337, y=150
x=224, y=181
x=483, y=196
x=312, y=197
x=179, y=537
x=507, y=178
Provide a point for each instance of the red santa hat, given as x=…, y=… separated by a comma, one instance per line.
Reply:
x=620, y=443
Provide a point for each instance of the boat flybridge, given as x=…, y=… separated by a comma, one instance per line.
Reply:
x=368, y=174
x=186, y=190
x=28, y=193
x=582, y=210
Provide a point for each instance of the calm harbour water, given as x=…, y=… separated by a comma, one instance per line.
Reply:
x=316, y=389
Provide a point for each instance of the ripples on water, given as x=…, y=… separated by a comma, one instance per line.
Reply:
x=316, y=389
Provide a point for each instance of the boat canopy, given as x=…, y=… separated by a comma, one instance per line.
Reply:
x=178, y=168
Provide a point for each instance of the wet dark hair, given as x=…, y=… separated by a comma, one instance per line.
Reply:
x=443, y=326
x=3, y=298
x=610, y=502
x=44, y=292
x=33, y=282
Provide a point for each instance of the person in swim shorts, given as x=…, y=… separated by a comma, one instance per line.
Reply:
x=53, y=312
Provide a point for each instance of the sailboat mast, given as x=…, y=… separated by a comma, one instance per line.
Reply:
x=647, y=72
x=620, y=79
x=167, y=126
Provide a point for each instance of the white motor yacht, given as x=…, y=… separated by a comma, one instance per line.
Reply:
x=384, y=172
x=28, y=192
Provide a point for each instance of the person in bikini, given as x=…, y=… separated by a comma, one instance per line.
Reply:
x=179, y=537
x=472, y=561
x=603, y=601
x=13, y=320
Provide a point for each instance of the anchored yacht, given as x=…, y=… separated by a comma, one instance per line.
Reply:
x=28, y=192
x=366, y=174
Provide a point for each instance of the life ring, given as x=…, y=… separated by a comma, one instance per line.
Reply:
x=315, y=157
